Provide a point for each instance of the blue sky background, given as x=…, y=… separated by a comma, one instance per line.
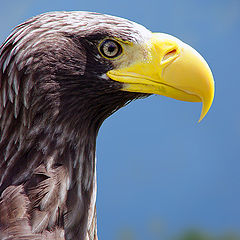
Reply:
x=159, y=171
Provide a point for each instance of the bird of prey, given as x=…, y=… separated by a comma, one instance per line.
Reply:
x=61, y=75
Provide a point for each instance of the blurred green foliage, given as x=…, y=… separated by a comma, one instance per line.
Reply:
x=197, y=235
x=127, y=234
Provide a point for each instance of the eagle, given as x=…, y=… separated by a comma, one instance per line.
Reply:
x=61, y=75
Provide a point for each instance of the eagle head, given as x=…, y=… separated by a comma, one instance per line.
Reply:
x=61, y=75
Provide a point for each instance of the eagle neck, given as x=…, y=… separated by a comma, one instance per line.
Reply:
x=79, y=141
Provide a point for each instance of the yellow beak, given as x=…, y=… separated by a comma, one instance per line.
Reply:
x=171, y=68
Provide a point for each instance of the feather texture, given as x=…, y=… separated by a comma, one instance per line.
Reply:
x=53, y=100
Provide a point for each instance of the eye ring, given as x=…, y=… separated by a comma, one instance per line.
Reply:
x=110, y=48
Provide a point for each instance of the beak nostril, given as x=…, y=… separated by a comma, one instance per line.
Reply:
x=169, y=55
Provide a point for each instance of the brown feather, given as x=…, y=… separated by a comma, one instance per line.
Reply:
x=47, y=197
x=54, y=96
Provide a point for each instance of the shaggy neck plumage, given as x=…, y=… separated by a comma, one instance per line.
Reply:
x=54, y=97
x=63, y=120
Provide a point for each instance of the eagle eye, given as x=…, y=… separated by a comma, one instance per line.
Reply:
x=110, y=48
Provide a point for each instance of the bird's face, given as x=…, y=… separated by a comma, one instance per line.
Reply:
x=159, y=64
x=88, y=64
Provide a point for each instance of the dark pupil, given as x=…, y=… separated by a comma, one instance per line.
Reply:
x=111, y=48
